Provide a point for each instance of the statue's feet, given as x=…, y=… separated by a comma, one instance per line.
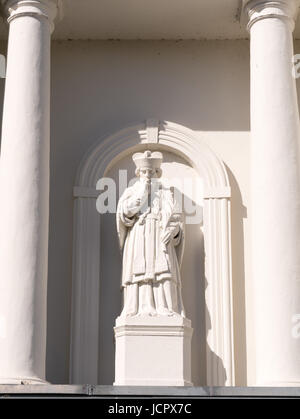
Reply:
x=150, y=312
x=129, y=313
x=165, y=312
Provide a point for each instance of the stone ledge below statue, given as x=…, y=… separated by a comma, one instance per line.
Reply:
x=125, y=392
x=153, y=351
x=22, y=381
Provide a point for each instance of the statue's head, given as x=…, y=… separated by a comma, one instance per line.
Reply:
x=148, y=164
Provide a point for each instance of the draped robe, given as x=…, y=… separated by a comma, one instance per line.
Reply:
x=147, y=259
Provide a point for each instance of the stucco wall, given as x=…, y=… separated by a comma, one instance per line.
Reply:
x=99, y=87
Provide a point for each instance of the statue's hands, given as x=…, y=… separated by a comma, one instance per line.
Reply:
x=133, y=206
x=169, y=234
x=138, y=202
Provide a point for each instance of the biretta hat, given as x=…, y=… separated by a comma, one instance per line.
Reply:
x=148, y=159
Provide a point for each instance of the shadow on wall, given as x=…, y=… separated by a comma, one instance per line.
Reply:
x=110, y=296
x=194, y=286
x=238, y=213
x=3, y=52
x=216, y=363
x=193, y=291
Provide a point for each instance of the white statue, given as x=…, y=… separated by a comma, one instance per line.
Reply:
x=151, y=234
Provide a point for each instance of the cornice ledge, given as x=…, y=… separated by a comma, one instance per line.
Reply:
x=51, y=10
x=256, y=10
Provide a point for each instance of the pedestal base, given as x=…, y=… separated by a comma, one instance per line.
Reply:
x=23, y=381
x=153, y=351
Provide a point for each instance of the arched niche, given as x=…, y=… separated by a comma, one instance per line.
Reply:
x=99, y=160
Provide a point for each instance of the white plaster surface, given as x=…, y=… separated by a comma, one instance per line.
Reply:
x=139, y=19
x=100, y=87
x=97, y=88
x=158, y=19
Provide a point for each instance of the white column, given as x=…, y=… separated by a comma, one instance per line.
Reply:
x=275, y=191
x=24, y=191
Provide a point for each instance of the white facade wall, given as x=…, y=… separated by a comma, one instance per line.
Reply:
x=98, y=87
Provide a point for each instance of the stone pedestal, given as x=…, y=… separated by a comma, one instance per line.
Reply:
x=153, y=351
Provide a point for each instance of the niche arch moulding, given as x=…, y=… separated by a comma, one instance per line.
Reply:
x=86, y=277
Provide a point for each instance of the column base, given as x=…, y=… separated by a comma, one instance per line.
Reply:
x=153, y=351
x=23, y=380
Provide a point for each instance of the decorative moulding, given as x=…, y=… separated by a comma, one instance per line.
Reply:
x=158, y=135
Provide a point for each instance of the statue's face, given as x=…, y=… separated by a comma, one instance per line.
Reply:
x=147, y=173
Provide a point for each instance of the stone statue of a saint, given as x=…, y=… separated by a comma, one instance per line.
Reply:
x=151, y=233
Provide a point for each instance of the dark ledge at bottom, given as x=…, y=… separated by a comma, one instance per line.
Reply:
x=113, y=392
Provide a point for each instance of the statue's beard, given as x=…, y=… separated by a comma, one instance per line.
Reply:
x=149, y=180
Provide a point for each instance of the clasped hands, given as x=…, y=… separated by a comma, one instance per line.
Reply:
x=169, y=234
